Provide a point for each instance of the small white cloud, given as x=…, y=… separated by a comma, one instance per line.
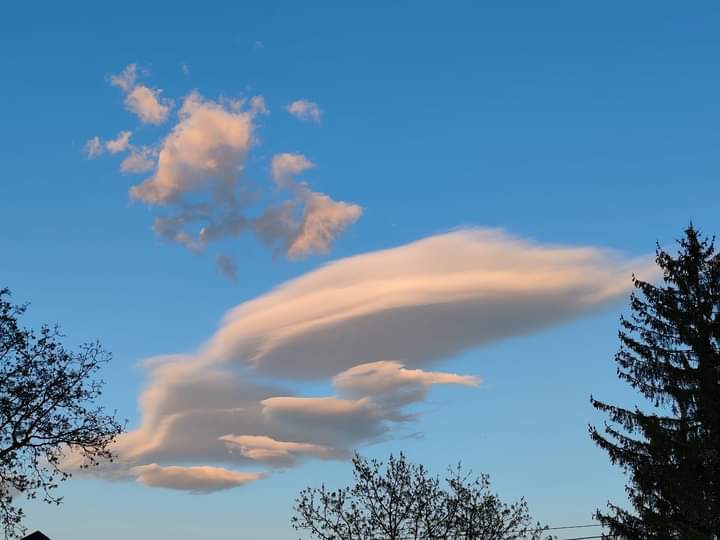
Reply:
x=126, y=79
x=285, y=166
x=202, y=479
x=185, y=69
x=140, y=160
x=147, y=104
x=93, y=147
x=205, y=149
x=258, y=105
x=263, y=448
x=387, y=376
x=120, y=143
x=392, y=385
x=305, y=110
x=322, y=221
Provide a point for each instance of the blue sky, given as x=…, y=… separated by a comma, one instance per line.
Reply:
x=562, y=123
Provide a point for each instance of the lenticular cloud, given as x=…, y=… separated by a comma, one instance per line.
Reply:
x=418, y=303
x=372, y=326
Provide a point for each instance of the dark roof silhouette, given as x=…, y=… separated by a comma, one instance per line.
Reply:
x=37, y=535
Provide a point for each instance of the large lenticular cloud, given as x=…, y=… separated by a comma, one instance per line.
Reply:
x=418, y=303
x=370, y=325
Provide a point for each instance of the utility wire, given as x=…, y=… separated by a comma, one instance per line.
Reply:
x=565, y=527
x=586, y=537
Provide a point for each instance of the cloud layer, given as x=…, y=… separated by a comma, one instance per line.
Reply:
x=193, y=479
x=418, y=303
x=370, y=325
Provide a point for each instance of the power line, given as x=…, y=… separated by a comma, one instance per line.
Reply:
x=587, y=537
x=564, y=527
x=567, y=527
x=556, y=528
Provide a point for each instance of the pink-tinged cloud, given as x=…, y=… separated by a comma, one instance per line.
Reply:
x=197, y=173
x=364, y=324
x=147, y=104
x=143, y=101
x=386, y=376
x=95, y=147
x=203, y=479
x=267, y=449
x=126, y=79
x=120, y=143
x=286, y=165
x=205, y=155
x=314, y=406
x=139, y=160
x=323, y=219
x=419, y=303
x=304, y=109
x=205, y=149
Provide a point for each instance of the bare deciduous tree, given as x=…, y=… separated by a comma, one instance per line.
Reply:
x=403, y=501
x=47, y=409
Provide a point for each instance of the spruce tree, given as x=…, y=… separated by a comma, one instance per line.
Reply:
x=670, y=353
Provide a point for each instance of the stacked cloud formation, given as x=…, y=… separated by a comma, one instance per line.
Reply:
x=371, y=325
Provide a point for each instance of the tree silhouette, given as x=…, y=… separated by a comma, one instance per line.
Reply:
x=403, y=501
x=670, y=353
x=47, y=396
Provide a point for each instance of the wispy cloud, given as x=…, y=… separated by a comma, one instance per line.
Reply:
x=286, y=166
x=370, y=325
x=322, y=219
x=93, y=147
x=142, y=100
x=147, y=104
x=120, y=143
x=266, y=449
x=304, y=109
x=141, y=159
x=126, y=79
